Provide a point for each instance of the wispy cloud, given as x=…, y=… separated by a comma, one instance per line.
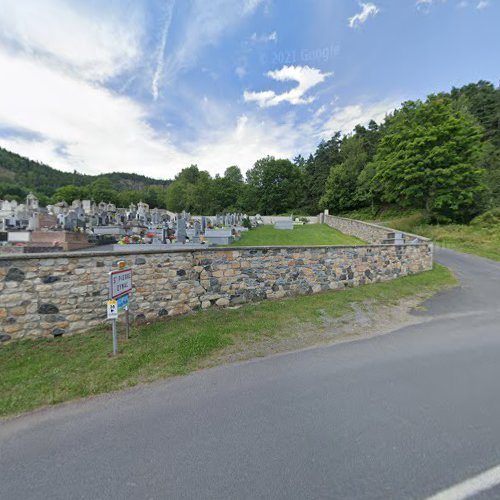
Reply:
x=367, y=10
x=271, y=37
x=207, y=22
x=161, y=50
x=483, y=4
x=240, y=71
x=305, y=77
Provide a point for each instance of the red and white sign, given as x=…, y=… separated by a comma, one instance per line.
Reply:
x=120, y=282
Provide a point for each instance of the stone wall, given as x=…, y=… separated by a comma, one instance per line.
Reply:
x=52, y=294
x=372, y=233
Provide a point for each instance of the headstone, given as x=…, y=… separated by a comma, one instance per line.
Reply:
x=203, y=223
x=283, y=224
x=219, y=236
x=181, y=230
x=197, y=229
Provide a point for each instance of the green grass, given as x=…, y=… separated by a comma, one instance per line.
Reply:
x=307, y=234
x=478, y=239
x=42, y=372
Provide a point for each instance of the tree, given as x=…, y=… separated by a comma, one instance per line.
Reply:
x=343, y=191
x=69, y=193
x=317, y=169
x=427, y=159
x=276, y=185
x=228, y=190
x=482, y=100
x=342, y=183
x=176, y=196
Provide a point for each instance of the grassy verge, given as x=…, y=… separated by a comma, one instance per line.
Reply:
x=48, y=371
x=482, y=240
x=308, y=234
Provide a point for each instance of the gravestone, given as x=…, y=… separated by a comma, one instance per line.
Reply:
x=283, y=224
x=196, y=236
x=219, y=236
x=181, y=233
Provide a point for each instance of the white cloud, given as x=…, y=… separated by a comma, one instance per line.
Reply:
x=271, y=37
x=249, y=139
x=80, y=125
x=98, y=130
x=54, y=93
x=367, y=10
x=305, y=77
x=347, y=117
x=161, y=50
x=425, y=5
x=93, y=48
x=483, y=4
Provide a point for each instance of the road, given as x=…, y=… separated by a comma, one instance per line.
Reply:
x=403, y=415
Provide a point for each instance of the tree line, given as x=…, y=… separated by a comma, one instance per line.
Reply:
x=440, y=155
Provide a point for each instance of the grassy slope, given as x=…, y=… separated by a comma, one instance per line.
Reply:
x=308, y=234
x=482, y=241
x=47, y=371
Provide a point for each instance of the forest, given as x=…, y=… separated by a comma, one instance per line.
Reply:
x=440, y=155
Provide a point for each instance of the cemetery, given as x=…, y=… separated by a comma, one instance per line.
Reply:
x=29, y=228
x=59, y=293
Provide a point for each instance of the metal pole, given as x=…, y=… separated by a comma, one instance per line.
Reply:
x=115, y=338
x=127, y=322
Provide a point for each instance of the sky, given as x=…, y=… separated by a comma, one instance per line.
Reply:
x=153, y=86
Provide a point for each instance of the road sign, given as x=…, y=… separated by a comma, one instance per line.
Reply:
x=122, y=301
x=112, y=306
x=120, y=283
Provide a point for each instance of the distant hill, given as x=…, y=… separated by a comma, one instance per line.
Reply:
x=19, y=174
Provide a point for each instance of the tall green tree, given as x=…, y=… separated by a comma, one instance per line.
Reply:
x=69, y=193
x=343, y=191
x=427, y=158
x=317, y=169
x=275, y=185
x=228, y=190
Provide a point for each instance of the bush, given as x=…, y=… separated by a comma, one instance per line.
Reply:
x=246, y=223
x=489, y=218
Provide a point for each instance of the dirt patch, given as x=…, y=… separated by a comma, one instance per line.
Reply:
x=366, y=320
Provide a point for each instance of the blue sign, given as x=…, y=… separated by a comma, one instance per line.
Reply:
x=122, y=302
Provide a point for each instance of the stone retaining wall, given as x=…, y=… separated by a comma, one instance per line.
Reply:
x=372, y=233
x=53, y=294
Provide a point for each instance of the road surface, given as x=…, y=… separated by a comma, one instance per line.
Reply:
x=405, y=415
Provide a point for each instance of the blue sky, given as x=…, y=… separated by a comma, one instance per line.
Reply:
x=152, y=86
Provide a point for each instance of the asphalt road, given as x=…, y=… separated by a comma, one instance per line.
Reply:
x=404, y=415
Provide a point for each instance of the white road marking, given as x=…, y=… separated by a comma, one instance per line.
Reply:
x=470, y=487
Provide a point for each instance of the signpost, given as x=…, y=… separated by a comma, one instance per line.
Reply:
x=120, y=285
x=113, y=316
